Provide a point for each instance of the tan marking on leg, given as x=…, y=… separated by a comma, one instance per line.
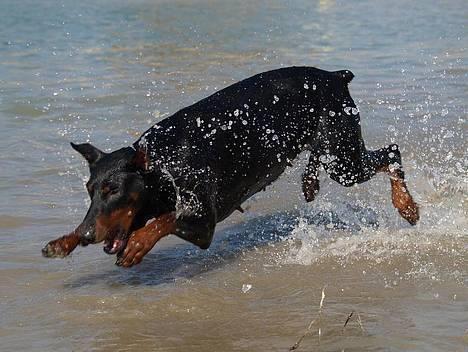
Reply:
x=61, y=247
x=402, y=200
x=401, y=197
x=144, y=239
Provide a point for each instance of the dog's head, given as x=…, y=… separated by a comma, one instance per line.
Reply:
x=116, y=188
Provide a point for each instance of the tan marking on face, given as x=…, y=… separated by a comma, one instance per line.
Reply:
x=119, y=219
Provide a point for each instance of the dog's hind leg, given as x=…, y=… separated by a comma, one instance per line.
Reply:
x=310, y=178
x=389, y=161
x=349, y=169
x=346, y=159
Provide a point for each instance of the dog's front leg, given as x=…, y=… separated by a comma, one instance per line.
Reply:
x=63, y=246
x=144, y=239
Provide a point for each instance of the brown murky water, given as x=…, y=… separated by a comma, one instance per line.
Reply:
x=77, y=71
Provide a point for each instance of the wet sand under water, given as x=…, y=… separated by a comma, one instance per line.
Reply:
x=106, y=72
x=256, y=288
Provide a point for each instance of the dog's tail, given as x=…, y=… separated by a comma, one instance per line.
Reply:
x=345, y=75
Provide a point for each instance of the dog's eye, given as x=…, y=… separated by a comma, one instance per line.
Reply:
x=109, y=190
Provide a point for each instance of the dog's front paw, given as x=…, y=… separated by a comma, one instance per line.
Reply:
x=139, y=243
x=58, y=248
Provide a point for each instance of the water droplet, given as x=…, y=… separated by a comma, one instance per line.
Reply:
x=246, y=288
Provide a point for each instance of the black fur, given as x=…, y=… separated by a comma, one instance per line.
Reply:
x=210, y=157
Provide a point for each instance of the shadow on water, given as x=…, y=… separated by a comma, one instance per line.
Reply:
x=185, y=261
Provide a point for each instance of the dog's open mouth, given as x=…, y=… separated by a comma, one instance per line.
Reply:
x=115, y=245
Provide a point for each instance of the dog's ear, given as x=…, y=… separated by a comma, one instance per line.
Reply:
x=88, y=151
x=140, y=160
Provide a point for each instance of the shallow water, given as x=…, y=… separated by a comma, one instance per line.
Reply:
x=78, y=71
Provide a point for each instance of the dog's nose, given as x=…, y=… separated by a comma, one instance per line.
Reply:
x=87, y=238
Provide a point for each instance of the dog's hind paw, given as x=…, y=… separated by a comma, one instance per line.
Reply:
x=402, y=200
x=410, y=213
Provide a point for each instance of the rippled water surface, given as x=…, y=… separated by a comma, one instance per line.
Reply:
x=105, y=71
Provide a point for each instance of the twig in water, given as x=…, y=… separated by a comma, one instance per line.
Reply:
x=312, y=322
x=359, y=321
x=347, y=321
x=298, y=342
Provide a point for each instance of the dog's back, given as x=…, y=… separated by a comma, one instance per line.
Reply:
x=247, y=133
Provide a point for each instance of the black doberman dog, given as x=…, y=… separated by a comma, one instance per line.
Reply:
x=195, y=168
